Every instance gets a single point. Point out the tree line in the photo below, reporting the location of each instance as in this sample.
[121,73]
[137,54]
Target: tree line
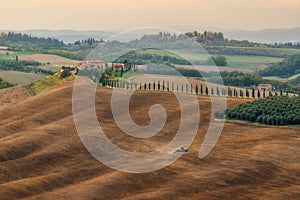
[8,38]
[23,66]
[209,38]
[286,68]
[200,89]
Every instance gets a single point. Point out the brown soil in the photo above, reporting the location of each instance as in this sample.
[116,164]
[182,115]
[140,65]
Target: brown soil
[42,157]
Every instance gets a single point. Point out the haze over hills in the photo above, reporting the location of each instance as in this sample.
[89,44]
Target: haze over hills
[267,35]
[261,36]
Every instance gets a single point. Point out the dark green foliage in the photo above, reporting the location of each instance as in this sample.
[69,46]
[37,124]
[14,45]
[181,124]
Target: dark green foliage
[201,89]
[241,94]
[275,110]
[144,58]
[247,93]
[206,90]
[288,67]
[220,114]
[23,66]
[4,84]
[158,85]
[218,60]
[20,38]
[295,81]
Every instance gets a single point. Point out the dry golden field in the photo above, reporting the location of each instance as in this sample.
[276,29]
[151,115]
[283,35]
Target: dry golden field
[42,157]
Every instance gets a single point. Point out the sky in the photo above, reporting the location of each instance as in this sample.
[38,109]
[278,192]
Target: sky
[128,14]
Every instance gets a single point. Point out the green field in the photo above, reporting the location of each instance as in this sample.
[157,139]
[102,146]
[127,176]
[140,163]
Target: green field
[15,77]
[12,55]
[284,50]
[250,63]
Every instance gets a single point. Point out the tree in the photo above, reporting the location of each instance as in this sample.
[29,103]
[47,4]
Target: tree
[247,93]
[219,60]
[201,89]
[206,90]
[241,94]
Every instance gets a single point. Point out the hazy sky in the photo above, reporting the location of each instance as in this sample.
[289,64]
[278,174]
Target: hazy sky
[125,14]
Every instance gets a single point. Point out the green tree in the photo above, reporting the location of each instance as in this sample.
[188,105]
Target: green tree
[219,60]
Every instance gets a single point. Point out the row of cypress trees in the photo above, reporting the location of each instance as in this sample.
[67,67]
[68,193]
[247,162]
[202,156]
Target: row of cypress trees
[195,89]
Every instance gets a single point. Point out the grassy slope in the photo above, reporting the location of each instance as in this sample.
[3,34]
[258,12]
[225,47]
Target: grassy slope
[48,83]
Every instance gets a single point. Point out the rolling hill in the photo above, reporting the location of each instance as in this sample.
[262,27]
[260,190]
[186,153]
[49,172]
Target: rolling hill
[42,157]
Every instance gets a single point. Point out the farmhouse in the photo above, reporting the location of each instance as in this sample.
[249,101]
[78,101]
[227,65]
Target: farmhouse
[264,87]
[117,66]
[94,64]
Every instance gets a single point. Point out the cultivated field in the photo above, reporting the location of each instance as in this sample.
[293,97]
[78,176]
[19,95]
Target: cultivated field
[52,59]
[15,77]
[42,157]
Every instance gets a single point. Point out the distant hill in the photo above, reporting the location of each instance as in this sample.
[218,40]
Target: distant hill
[261,36]
[266,35]
[68,36]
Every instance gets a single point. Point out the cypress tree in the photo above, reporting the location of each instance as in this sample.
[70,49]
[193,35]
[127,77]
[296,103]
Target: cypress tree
[168,86]
[201,89]
[158,85]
